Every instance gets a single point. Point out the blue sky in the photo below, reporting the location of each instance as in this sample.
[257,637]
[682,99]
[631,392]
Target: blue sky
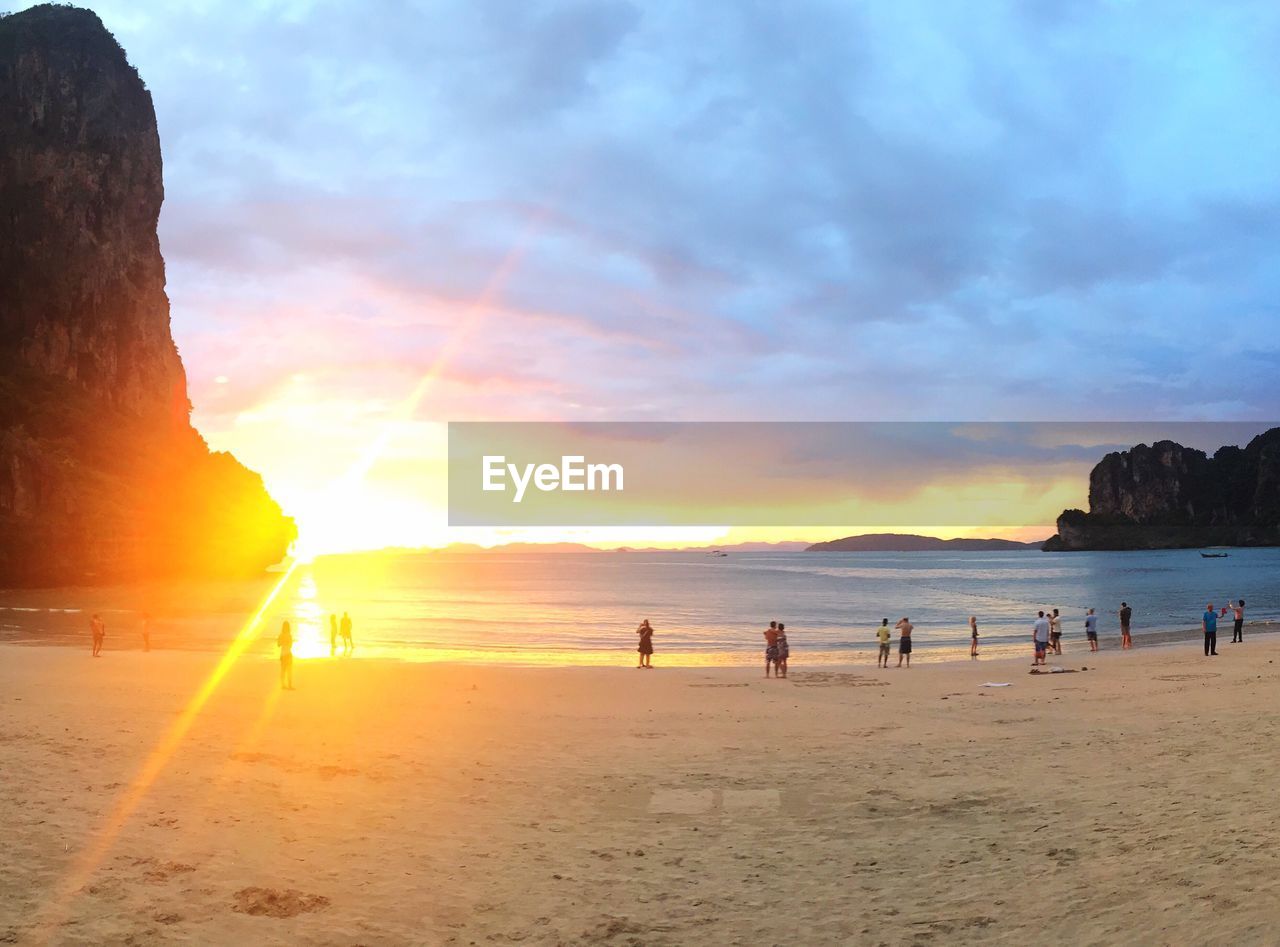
[659,211]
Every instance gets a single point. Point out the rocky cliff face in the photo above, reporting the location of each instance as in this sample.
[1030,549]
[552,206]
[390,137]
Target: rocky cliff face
[1170,496]
[102,476]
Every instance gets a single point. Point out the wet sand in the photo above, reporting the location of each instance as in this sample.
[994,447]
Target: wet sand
[392,803]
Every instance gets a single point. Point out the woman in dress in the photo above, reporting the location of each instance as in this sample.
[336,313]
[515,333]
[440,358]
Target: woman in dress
[645,631]
[784,650]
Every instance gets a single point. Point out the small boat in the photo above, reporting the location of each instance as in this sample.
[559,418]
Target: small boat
[1215,555]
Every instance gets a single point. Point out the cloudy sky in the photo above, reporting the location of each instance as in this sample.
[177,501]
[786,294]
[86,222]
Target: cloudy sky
[711,211]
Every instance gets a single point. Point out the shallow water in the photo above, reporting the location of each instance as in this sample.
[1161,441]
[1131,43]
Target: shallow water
[583,608]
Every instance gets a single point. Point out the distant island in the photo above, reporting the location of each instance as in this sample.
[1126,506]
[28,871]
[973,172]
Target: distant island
[907,542]
[1167,496]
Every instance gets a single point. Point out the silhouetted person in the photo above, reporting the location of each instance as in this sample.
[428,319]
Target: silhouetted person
[348,643]
[1209,622]
[146,631]
[973,636]
[333,635]
[284,641]
[645,631]
[1126,616]
[99,632]
[784,650]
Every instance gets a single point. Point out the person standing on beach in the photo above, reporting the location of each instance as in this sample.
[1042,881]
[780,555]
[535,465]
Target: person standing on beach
[645,631]
[1209,622]
[784,650]
[146,631]
[1055,631]
[348,643]
[885,636]
[904,640]
[284,641]
[99,632]
[1237,633]
[770,647]
[1040,636]
[1091,630]
[973,636]
[1126,615]
[333,635]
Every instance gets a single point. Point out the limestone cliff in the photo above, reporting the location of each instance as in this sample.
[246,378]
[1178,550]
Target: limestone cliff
[102,476]
[1169,496]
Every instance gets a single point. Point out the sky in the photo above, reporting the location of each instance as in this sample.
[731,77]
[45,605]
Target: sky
[383,216]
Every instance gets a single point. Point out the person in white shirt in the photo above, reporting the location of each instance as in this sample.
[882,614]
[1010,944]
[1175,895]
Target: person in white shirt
[1040,635]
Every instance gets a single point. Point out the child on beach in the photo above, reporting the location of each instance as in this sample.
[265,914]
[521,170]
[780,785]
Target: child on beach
[784,650]
[770,647]
[1040,636]
[884,635]
[1091,630]
[973,636]
[645,631]
[904,640]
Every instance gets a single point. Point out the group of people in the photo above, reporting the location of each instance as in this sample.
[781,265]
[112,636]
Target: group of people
[1209,624]
[284,641]
[885,638]
[1046,636]
[1046,631]
[98,632]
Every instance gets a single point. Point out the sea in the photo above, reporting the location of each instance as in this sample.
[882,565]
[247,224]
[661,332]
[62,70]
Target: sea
[583,608]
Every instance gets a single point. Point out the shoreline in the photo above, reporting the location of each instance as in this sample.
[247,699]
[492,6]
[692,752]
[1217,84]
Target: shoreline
[925,655]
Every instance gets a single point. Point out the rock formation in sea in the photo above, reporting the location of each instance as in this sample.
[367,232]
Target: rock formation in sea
[102,476]
[1166,496]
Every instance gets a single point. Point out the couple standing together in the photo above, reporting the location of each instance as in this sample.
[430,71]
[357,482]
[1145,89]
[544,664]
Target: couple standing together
[776,649]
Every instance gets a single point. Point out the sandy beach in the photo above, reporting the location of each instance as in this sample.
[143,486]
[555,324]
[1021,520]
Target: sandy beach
[397,803]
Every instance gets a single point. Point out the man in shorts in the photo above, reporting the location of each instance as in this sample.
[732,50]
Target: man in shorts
[770,647]
[904,640]
[1126,615]
[1040,636]
[1091,630]
[884,636]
